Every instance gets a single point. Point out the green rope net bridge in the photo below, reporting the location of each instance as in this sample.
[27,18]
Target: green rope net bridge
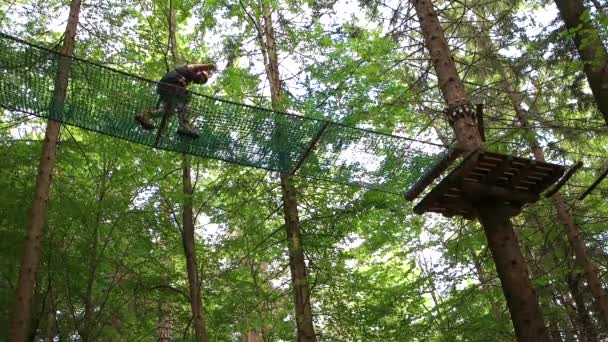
[105,100]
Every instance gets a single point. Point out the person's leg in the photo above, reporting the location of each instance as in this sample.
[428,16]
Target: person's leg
[145,119]
[161,108]
[182,107]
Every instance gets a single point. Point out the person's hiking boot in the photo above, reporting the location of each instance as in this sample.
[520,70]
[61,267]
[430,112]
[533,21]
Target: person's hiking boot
[144,120]
[186,129]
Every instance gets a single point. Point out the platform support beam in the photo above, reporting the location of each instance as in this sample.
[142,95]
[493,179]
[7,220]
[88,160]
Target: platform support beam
[434,172]
[476,191]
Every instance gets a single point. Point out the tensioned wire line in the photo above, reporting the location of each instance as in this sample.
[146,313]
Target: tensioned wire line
[105,100]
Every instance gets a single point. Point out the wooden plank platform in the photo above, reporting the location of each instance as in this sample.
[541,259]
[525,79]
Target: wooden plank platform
[484,176]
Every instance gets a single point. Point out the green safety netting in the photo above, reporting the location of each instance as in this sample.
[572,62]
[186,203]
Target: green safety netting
[105,100]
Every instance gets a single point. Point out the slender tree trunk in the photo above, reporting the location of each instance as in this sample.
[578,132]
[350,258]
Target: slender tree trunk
[172,34]
[196,301]
[164,323]
[297,264]
[582,259]
[546,293]
[574,310]
[521,298]
[590,49]
[585,325]
[554,330]
[570,322]
[88,320]
[570,335]
[572,230]
[22,312]
[164,308]
[38,304]
[89,300]
[513,273]
[259,333]
[49,330]
[495,308]
[251,336]
[565,298]
[452,88]
[49,333]
[561,300]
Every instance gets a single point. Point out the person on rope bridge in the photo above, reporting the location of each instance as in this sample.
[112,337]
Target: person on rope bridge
[173,96]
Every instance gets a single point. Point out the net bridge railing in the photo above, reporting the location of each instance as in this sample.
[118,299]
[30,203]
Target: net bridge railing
[105,100]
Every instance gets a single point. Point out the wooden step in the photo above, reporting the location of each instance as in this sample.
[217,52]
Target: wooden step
[487,176]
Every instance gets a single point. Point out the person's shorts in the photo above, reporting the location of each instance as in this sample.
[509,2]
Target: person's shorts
[174,95]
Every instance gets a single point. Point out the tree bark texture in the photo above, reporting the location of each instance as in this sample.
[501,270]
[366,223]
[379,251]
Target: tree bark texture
[188,240]
[22,311]
[590,272]
[564,217]
[590,49]
[297,265]
[164,324]
[513,273]
[196,301]
[486,285]
[554,330]
[251,336]
[584,323]
[521,298]
[449,81]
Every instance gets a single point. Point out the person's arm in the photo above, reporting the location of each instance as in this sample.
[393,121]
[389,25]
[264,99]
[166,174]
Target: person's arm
[202,67]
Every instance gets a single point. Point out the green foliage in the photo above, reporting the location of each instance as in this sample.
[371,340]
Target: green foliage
[113,263]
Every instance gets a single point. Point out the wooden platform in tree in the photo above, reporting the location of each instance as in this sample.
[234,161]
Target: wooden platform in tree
[484,176]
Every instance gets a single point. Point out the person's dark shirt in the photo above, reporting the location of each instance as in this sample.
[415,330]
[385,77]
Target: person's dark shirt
[180,73]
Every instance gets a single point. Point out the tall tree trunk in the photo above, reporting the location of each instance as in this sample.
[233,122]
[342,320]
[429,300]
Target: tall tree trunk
[562,300]
[88,320]
[590,272]
[22,312]
[452,88]
[554,330]
[513,273]
[251,336]
[89,298]
[196,300]
[494,216]
[164,323]
[540,263]
[574,310]
[564,217]
[164,307]
[484,280]
[297,264]
[562,213]
[259,333]
[590,49]
[585,325]
[49,332]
